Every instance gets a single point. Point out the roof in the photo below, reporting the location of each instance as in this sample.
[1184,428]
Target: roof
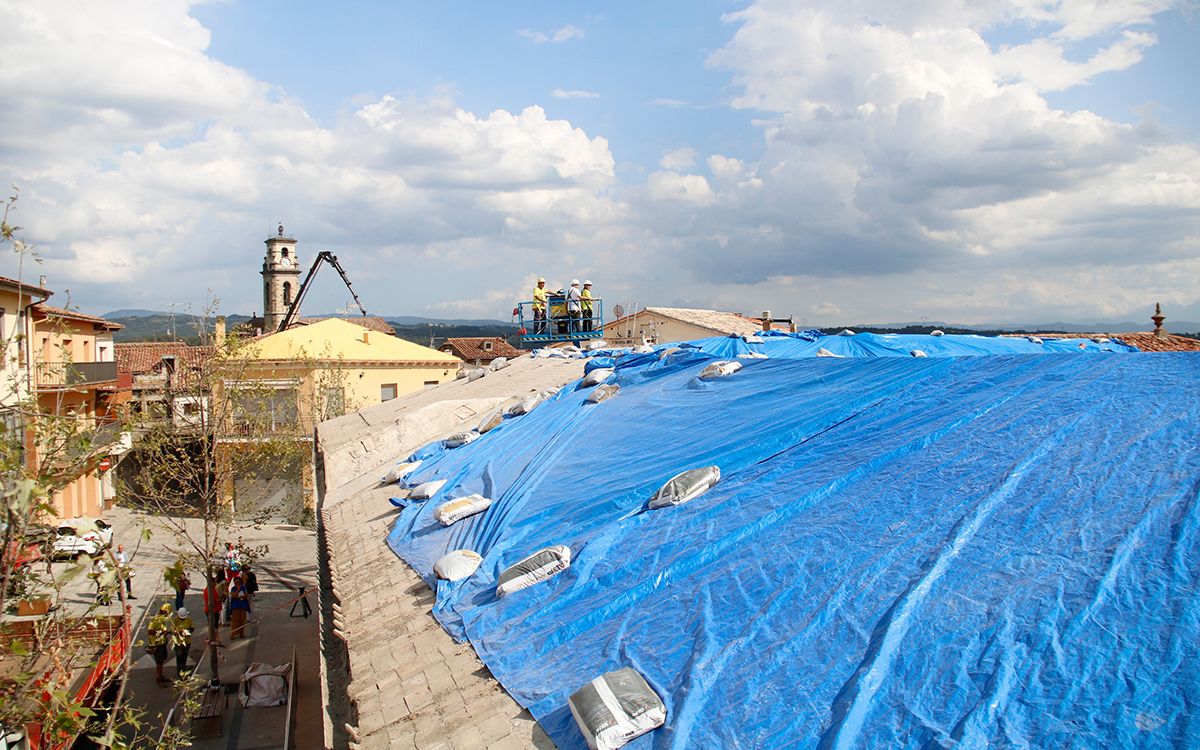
[1145,341]
[26,287]
[471,347]
[337,339]
[146,356]
[370,322]
[46,311]
[716,321]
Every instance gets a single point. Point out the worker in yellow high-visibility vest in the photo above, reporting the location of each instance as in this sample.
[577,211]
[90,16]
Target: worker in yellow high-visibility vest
[539,306]
[586,296]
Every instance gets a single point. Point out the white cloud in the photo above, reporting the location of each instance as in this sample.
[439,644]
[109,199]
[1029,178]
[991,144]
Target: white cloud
[573,94]
[554,36]
[678,159]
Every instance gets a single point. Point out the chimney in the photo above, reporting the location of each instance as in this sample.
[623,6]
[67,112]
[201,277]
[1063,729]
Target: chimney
[366,336]
[766,320]
[219,332]
[1158,318]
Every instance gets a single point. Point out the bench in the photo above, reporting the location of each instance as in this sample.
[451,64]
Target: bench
[213,702]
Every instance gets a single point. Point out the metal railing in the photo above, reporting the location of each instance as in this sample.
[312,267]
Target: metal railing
[557,322]
[72,374]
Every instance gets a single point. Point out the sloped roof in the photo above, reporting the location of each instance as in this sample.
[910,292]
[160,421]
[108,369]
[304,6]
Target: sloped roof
[46,311]
[471,347]
[370,322]
[1146,341]
[337,339]
[31,289]
[147,356]
[716,321]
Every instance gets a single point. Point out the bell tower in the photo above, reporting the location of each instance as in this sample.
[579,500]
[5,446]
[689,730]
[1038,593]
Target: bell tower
[281,276]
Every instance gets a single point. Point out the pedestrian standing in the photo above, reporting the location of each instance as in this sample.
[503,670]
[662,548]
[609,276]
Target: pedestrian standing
[574,306]
[158,632]
[251,580]
[180,585]
[586,303]
[213,604]
[103,576]
[182,628]
[239,607]
[124,571]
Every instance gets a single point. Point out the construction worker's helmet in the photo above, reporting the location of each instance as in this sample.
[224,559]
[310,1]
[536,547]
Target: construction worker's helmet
[588,282]
[541,280]
[165,609]
[574,282]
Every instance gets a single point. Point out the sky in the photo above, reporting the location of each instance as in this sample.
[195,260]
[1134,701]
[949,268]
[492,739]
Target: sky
[837,161]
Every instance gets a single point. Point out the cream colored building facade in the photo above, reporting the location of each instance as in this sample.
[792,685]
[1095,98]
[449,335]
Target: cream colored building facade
[660,325]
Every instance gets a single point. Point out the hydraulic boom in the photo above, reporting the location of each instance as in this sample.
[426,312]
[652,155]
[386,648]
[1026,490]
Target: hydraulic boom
[322,257]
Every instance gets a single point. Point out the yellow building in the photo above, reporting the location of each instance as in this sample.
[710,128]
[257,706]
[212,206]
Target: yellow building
[284,383]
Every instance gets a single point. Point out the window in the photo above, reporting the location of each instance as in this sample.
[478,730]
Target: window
[387,392]
[284,253]
[1,323]
[487,346]
[287,293]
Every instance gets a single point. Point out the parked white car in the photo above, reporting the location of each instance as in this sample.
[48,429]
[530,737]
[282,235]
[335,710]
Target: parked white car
[82,536]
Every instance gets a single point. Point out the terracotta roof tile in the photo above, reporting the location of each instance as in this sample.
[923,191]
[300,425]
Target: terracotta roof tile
[147,356]
[1144,341]
[470,348]
[33,288]
[46,311]
[370,322]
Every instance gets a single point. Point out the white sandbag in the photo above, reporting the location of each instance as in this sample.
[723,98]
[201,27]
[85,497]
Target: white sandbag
[751,338]
[457,565]
[1102,339]
[936,332]
[460,374]
[846,332]
[534,569]
[686,485]
[490,422]
[264,685]
[918,353]
[499,363]
[643,349]
[1034,339]
[461,507]
[426,490]
[596,377]
[608,390]
[668,352]
[752,355]
[400,471]
[526,405]
[720,370]
[615,708]
[476,374]
[823,352]
[459,439]
[597,344]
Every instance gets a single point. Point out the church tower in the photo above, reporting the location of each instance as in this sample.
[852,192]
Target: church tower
[281,277]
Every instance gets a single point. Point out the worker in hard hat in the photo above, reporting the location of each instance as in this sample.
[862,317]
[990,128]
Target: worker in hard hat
[586,305]
[539,306]
[574,305]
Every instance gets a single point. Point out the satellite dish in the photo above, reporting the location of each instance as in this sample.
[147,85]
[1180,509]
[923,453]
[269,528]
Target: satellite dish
[618,311]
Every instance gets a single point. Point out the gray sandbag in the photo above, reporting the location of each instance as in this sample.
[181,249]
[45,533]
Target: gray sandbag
[596,377]
[686,485]
[615,708]
[426,490]
[534,569]
[918,353]
[602,392]
[499,363]
[720,370]
[461,507]
[459,439]
[490,422]
[476,374]
[526,405]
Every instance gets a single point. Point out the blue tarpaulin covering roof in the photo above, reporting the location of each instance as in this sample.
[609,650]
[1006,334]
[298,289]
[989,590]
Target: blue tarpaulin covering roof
[901,552]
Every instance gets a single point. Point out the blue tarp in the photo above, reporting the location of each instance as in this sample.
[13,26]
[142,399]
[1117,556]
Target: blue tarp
[902,552]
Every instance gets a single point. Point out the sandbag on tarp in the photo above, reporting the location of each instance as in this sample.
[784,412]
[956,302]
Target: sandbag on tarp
[459,439]
[720,370]
[607,390]
[595,377]
[499,363]
[476,374]
[400,471]
[531,402]
[457,565]
[615,708]
[426,490]
[490,422]
[534,569]
[599,363]
[918,353]
[686,485]
[264,686]
[461,507]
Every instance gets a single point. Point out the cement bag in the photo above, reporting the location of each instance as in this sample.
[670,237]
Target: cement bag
[476,374]
[460,508]
[597,344]
[457,565]
[823,352]
[499,363]
[918,353]
[534,569]
[720,370]
[750,338]
[668,352]
[1034,339]
[459,439]
[596,377]
[426,490]
[643,349]
[608,390]
[264,685]
[937,333]
[400,471]
[686,486]
[752,355]
[526,405]
[490,422]
[615,708]
[846,332]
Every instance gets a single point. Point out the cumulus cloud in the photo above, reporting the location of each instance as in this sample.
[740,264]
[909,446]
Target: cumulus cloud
[574,94]
[680,158]
[554,36]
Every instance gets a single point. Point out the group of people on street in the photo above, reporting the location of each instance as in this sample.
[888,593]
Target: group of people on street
[579,307]
[171,628]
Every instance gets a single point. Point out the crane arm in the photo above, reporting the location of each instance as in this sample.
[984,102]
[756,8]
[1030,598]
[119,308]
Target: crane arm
[322,257]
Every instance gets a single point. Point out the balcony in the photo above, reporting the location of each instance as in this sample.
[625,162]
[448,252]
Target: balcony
[68,375]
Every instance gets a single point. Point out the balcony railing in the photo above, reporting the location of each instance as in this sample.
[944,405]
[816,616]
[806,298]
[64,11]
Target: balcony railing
[74,374]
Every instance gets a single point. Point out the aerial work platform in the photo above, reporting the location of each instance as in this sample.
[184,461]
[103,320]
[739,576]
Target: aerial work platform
[559,326]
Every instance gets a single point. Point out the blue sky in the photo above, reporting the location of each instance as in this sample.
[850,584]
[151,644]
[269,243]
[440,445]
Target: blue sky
[983,162]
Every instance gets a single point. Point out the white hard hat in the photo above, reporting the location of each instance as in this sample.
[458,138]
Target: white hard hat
[541,280]
[574,282]
[588,282]
[181,612]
